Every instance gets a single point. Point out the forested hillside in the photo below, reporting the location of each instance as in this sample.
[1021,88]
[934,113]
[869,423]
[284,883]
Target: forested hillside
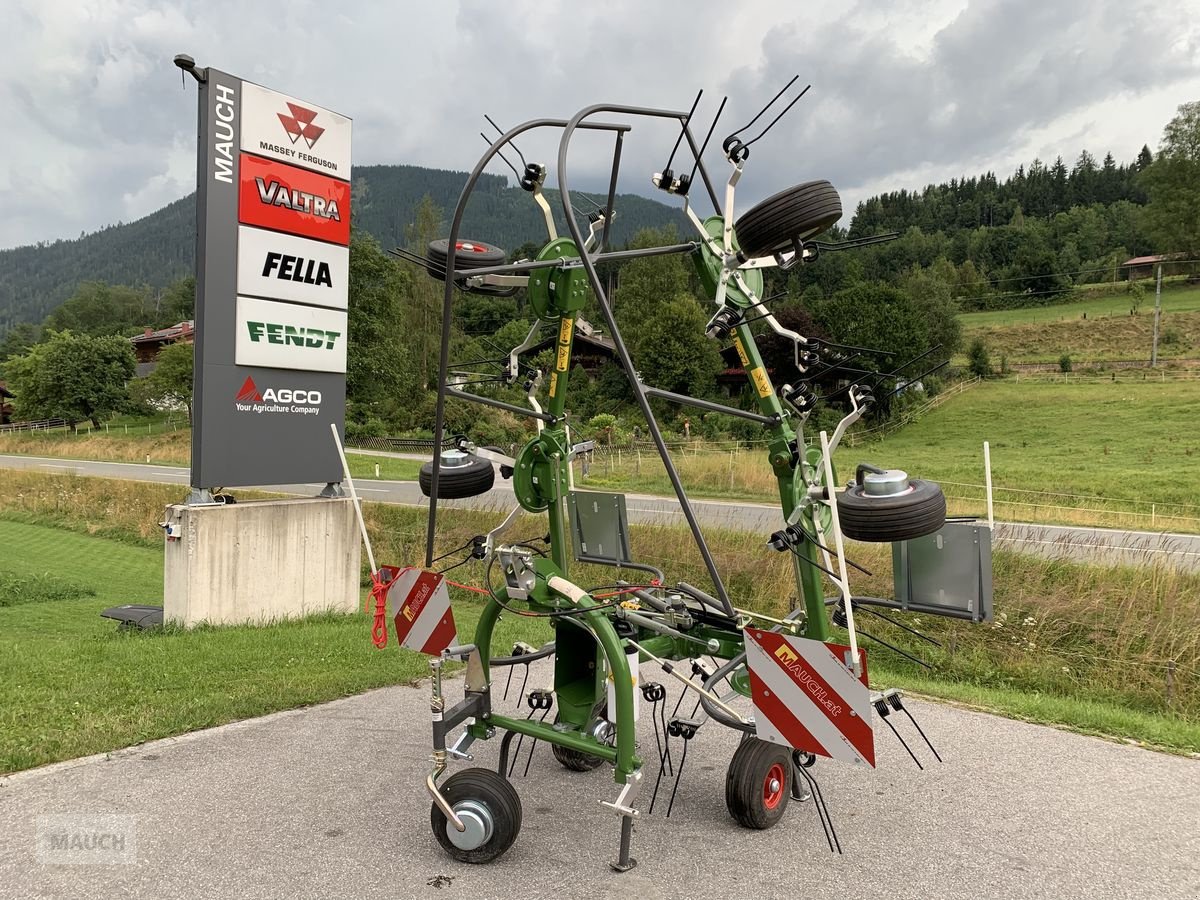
[992,243]
[158,249]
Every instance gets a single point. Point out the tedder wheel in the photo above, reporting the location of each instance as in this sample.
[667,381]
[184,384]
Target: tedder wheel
[574,759]
[467,255]
[461,476]
[799,212]
[758,783]
[490,808]
[919,511]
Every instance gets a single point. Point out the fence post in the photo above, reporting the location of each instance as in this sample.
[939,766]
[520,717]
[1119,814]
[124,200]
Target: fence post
[731,452]
[1152,513]
[638,464]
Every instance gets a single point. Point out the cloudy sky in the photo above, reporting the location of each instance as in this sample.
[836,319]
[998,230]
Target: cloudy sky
[99,127]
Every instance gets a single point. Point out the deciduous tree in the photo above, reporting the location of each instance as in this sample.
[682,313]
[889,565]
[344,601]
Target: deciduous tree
[72,377]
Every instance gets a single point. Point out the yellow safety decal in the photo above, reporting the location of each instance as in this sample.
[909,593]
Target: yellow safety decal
[564,357]
[564,330]
[737,342]
[761,382]
[553,383]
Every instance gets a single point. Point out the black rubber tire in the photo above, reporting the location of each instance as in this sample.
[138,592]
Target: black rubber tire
[801,212]
[494,792]
[882,520]
[746,783]
[470,255]
[456,482]
[574,759]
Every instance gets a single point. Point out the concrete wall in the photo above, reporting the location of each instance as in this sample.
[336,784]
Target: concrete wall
[260,561]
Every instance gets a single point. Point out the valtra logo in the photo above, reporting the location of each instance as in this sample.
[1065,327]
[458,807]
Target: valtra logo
[300,125]
[293,200]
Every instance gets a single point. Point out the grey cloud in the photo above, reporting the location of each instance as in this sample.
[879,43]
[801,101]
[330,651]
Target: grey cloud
[100,129]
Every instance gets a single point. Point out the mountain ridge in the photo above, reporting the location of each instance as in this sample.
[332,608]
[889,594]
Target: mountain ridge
[159,248]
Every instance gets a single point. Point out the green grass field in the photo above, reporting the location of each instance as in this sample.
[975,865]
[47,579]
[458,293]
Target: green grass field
[1099,452]
[1103,453]
[1175,300]
[1090,331]
[1072,645]
[71,684]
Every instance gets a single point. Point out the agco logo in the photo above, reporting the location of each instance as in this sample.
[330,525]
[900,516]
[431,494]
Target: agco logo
[276,400]
[300,125]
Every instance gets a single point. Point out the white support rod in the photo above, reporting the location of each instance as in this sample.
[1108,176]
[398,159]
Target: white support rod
[987,474]
[362,525]
[570,461]
[844,580]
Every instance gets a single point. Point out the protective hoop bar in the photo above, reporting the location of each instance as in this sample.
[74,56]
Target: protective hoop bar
[577,121]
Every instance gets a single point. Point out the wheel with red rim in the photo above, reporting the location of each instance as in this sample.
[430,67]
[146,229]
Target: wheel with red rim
[758,783]
[467,255]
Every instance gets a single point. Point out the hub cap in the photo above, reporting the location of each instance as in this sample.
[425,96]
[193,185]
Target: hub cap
[478,820]
[773,786]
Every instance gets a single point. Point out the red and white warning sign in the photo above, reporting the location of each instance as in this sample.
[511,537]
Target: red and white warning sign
[419,605]
[805,696]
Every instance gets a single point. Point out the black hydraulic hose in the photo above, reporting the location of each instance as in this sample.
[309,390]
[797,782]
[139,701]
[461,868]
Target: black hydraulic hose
[541,653]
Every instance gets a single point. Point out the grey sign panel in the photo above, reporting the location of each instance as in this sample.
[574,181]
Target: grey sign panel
[251,425]
[948,573]
[600,526]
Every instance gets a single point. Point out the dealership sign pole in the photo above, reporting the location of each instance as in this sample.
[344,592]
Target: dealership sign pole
[272,273]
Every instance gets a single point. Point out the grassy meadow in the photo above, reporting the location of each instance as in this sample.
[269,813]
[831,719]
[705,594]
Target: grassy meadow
[1075,645]
[1090,331]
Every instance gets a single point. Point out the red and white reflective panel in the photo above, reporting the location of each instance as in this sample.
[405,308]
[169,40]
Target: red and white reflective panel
[805,696]
[419,605]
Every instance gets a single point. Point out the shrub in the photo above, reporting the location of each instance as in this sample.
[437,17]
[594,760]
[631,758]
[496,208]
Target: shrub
[978,361]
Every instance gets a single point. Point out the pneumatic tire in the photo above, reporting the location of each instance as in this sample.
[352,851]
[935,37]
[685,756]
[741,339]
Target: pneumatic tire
[456,482]
[758,783]
[800,212]
[576,760]
[491,806]
[467,255]
[917,512]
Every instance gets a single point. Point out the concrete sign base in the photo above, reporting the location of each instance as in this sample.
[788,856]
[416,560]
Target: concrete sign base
[260,561]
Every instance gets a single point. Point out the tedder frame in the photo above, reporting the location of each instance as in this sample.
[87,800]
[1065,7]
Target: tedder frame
[602,637]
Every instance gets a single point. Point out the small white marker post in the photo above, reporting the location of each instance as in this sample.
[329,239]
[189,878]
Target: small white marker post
[362,525]
[843,578]
[987,474]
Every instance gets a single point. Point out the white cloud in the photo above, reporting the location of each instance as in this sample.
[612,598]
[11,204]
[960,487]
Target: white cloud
[100,130]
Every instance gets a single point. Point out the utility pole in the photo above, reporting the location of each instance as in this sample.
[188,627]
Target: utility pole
[1157,313]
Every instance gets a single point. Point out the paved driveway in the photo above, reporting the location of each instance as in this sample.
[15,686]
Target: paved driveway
[328,802]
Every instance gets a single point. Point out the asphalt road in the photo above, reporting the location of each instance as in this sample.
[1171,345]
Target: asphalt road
[1087,544]
[329,802]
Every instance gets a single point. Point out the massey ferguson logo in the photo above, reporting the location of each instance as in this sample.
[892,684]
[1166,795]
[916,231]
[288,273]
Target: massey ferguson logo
[272,193]
[276,400]
[300,125]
